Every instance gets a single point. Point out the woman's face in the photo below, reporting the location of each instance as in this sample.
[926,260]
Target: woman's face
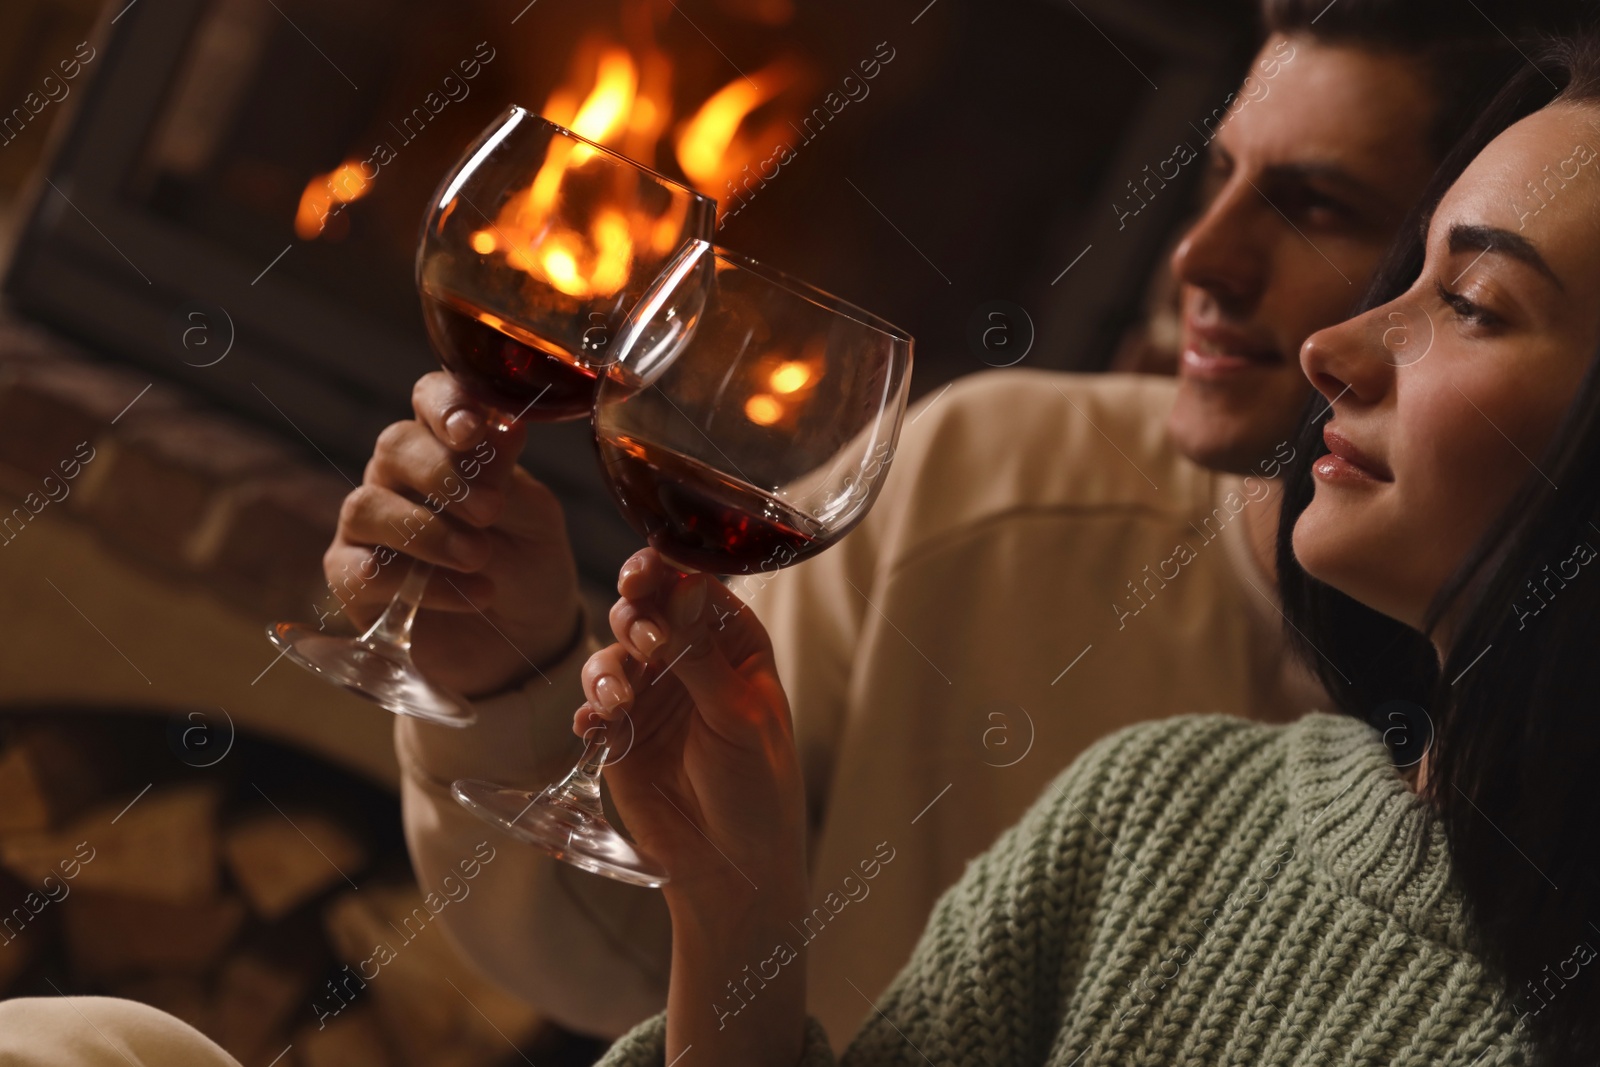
[1445,399]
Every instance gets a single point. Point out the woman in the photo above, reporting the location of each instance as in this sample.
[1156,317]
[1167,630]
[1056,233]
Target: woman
[1206,889]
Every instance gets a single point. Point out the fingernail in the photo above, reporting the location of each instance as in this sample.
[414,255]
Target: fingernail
[645,637]
[611,692]
[688,600]
[594,719]
[461,425]
[634,566]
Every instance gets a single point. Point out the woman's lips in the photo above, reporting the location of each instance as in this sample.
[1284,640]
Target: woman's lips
[1346,462]
[1217,353]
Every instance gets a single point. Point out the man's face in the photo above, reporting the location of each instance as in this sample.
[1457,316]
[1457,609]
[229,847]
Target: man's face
[1308,180]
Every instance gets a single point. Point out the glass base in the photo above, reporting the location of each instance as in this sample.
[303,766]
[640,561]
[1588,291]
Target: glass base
[564,827]
[383,673]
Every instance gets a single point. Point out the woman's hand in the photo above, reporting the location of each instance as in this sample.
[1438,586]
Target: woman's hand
[706,777]
[703,765]
[445,487]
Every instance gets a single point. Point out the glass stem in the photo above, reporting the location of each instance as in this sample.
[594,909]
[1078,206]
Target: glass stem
[394,625]
[582,786]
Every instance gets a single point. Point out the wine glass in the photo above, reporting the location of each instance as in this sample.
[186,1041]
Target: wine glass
[535,246]
[746,423]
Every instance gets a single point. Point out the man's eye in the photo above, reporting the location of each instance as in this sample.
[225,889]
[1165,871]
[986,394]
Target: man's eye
[1309,204]
[1214,177]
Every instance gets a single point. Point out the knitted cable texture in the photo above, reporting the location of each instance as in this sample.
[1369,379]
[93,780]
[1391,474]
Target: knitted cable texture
[1197,890]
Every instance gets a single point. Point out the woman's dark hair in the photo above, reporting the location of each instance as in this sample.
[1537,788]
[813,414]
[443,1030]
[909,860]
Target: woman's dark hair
[1465,50]
[1514,711]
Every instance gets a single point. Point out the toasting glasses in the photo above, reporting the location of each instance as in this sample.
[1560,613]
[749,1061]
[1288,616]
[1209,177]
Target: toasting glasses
[536,245]
[745,422]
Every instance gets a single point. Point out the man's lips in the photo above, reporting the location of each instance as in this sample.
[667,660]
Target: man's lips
[1212,351]
[1346,461]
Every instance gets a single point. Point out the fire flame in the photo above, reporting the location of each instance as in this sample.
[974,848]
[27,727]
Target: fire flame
[342,185]
[790,377]
[788,381]
[628,108]
[578,264]
[616,81]
[709,147]
[618,96]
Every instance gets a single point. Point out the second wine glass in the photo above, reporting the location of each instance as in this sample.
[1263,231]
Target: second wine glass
[746,423]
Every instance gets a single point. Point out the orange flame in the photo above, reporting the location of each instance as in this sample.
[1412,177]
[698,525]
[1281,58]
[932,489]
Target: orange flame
[342,185]
[579,264]
[602,114]
[763,410]
[706,140]
[621,98]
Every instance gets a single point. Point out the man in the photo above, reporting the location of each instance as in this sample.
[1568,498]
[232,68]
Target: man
[1053,557]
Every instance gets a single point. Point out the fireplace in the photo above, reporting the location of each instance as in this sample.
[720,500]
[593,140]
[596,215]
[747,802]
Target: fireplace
[235,205]
[211,313]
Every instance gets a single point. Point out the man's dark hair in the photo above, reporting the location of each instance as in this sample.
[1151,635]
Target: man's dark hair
[1512,717]
[1468,50]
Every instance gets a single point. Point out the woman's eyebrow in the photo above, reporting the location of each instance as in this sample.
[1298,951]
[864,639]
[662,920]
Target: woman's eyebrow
[1486,239]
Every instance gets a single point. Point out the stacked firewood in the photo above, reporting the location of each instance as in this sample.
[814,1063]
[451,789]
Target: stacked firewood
[281,928]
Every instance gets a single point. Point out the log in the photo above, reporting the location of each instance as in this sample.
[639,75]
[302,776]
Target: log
[24,933]
[259,996]
[352,1039]
[161,846]
[113,936]
[280,861]
[49,773]
[438,1009]
[24,799]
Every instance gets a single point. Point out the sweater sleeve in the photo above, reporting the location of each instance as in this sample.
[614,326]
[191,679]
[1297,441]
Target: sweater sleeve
[590,953]
[1005,947]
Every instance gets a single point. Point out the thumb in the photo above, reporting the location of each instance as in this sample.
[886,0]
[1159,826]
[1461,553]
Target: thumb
[721,694]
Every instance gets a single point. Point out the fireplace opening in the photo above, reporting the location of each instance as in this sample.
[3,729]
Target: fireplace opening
[256,891]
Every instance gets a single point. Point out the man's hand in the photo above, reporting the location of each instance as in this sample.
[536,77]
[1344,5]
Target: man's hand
[445,487]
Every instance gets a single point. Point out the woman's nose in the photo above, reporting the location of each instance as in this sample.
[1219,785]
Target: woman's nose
[1356,359]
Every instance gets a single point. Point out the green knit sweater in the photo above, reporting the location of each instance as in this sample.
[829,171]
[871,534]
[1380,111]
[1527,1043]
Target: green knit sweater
[1197,890]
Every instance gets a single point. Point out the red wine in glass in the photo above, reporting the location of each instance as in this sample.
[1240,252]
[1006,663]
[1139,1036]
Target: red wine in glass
[701,518]
[505,365]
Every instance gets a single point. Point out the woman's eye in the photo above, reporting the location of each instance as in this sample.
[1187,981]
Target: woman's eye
[1466,310]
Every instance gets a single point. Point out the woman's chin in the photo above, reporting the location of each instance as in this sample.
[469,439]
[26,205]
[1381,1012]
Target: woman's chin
[1327,543]
[1329,546]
